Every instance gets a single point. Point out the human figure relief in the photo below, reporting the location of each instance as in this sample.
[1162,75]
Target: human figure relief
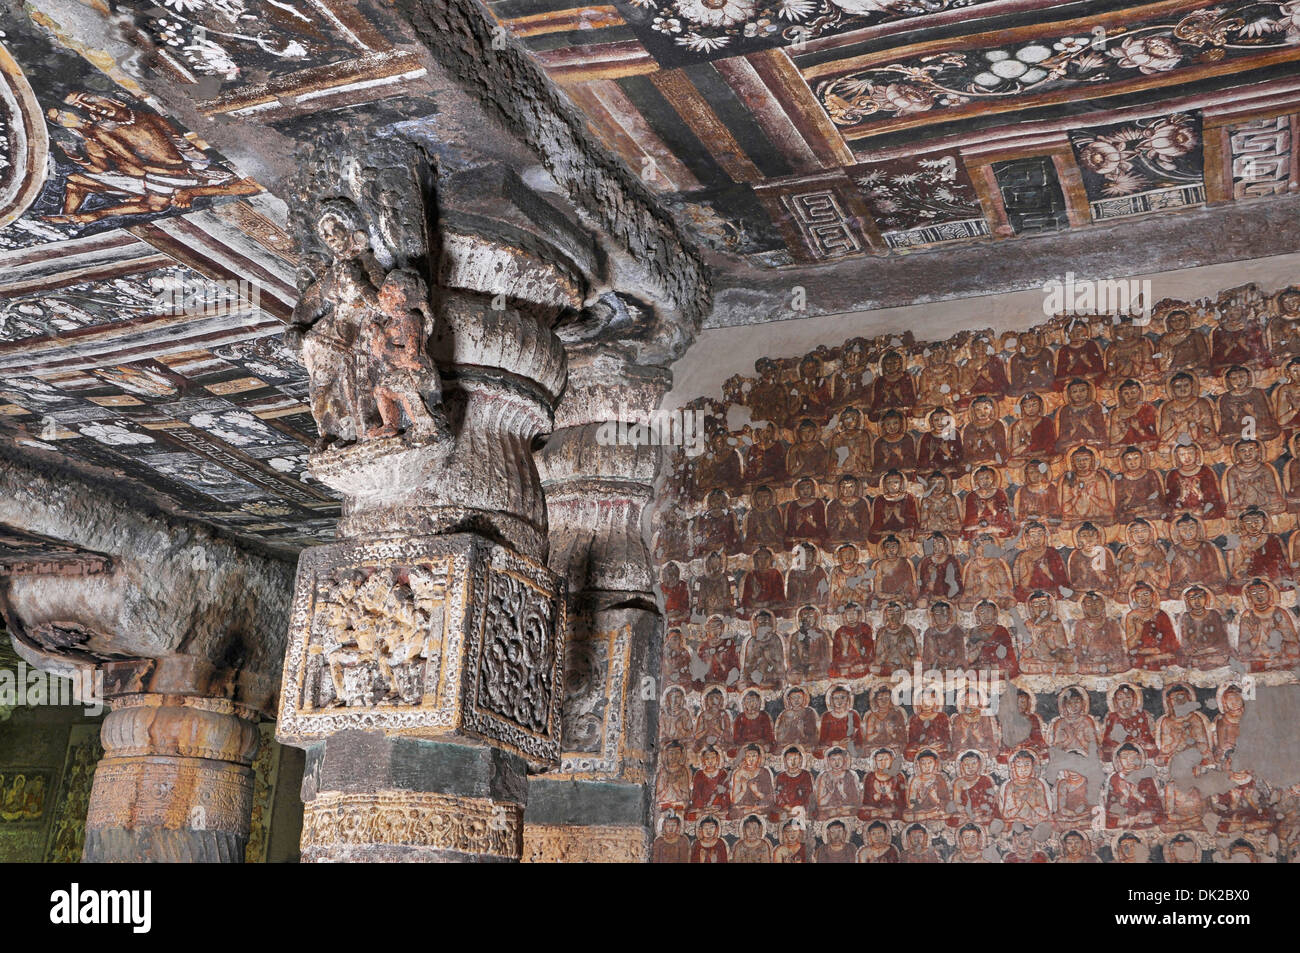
[1286,399]
[1038,498]
[1183,727]
[1130,355]
[1074,729]
[1024,797]
[671,847]
[1047,650]
[1079,358]
[1244,410]
[676,723]
[849,447]
[752,726]
[838,792]
[984,439]
[917,848]
[986,576]
[792,789]
[1098,639]
[1283,327]
[851,580]
[970,846]
[884,788]
[894,511]
[767,397]
[885,724]
[1038,566]
[715,528]
[712,590]
[1202,631]
[810,394]
[837,849]
[710,792]
[808,649]
[1250,482]
[892,575]
[763,587]
[1238,338]
[1148,630]
[972,729]
[805,515]
[940,512]
[1266,632]
[1245,806]
[895,642]
[943,645]
[1080,420]
[1091,566]
[718,468]
[713,725]
[139,158]
[752,848]
[765,457]
[940,447]
[718,655]
[840,724]
[929,728]
[1181,850]
[1033,434]
[1086,491]
[765,663]
[1193,559]
[764,523]
[928,791]
[751,785]
[327,321]
[1191,487]
[1182,347]
[677,599]
[939,573]
[708,848]
[1139,491]
[848,516]
[984,375]
[878,849]
[1076,850]
[402,382]
[1143,559]
[807,582]
[1127,722]
[1022,848]
[892,390]
[793,848]
[1186,417]
[852,648]
[974,793]
[797,723]
[1033,367]
[1227,724]
[989,643]
[939,383]
[986,507]
[851,382]
[894,449]
[1132,797]
[808,456]
[1258,552]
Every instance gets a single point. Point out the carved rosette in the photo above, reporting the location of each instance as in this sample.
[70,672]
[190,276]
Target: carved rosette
[403,825]
[438,637]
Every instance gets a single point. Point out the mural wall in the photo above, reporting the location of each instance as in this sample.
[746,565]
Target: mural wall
[998,598]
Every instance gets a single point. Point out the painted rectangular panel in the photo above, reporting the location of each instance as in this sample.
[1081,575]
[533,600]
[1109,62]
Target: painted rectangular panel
[1031,194]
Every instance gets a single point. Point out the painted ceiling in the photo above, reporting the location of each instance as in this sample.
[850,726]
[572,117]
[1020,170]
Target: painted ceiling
[784,132]
[808,131]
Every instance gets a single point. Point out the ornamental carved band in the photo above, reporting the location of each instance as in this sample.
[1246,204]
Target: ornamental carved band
[597,844]
[437,636]
[410,819]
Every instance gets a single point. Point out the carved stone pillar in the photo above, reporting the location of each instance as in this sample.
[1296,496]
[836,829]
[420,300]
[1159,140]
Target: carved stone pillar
[175,783]
[424,668]
[595,807]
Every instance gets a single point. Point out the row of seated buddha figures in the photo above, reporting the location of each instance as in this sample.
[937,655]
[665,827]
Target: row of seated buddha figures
[828,514]
[1242,329]
[1044,636]
[1014,435]
[759,841]
[1183,733]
